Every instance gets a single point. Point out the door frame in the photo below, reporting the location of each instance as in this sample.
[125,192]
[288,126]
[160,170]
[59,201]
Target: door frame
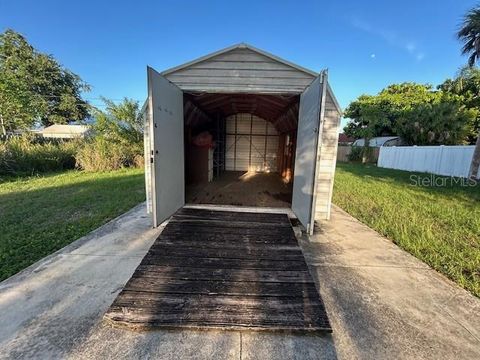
[323,81]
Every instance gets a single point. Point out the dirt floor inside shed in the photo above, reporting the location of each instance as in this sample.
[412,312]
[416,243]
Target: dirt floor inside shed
[241,188]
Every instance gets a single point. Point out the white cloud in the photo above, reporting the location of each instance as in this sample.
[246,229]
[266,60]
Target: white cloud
[411,47]
[373,56]
[391,37]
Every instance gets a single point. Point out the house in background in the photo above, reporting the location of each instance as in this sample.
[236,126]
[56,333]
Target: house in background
[380,141]
[66,131]
[345,140]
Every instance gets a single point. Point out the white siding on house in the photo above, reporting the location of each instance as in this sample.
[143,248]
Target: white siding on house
[66,131]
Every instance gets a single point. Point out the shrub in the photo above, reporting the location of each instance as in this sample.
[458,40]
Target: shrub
[361,153]
[24,155]
[102,154]
[356,153]
[119,138]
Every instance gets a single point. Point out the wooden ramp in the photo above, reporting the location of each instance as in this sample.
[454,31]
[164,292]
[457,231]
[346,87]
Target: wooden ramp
[222,270]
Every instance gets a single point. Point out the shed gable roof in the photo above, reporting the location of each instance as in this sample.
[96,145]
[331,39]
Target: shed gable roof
[241,69]
[249,48]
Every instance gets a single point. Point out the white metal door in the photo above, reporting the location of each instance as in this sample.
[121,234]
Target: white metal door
[166,134]
[312,103]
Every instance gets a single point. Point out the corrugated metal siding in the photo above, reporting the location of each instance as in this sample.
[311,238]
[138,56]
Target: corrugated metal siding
[251,144]
[241,70]
[328,158]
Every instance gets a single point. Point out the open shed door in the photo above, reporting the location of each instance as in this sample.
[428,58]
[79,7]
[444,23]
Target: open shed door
[312,104]
[166,136]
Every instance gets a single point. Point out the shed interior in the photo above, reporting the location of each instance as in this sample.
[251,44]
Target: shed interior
[240,148]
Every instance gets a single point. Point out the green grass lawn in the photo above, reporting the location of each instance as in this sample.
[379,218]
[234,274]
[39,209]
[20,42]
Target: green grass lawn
[439,225]
[39,215]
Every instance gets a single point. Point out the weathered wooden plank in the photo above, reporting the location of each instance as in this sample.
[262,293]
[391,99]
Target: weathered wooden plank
[216,242]
[214,274]
[178,286]
[162,249]
[238,323]
[225,224]
[175,228]
[230,241]
[221,314]
[233,302]
[258,218]
[224,263]
[227,271]
[230,215]
[250,217]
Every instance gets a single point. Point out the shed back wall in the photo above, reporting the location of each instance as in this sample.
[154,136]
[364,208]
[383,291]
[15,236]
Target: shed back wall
[251,144]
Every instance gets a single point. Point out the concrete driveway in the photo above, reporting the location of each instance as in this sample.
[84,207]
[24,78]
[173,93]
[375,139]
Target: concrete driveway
[382,303]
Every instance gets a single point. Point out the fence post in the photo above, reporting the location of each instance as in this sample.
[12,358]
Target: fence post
[440,159]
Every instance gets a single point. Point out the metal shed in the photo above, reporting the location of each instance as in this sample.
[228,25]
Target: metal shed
[241,109]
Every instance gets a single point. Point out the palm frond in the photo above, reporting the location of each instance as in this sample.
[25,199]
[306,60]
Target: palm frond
[472,59]
[469,34]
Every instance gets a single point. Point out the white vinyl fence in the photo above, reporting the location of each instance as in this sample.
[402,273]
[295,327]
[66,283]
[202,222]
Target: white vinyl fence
[440,160]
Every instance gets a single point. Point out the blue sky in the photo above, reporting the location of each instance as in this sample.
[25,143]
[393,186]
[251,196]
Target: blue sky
[366,45]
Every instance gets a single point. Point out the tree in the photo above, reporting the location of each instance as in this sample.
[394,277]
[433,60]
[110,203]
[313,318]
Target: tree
[441,121]
[16,110]
[469,35]
[473,174]
[360,111]
[370,120]
[121,122]
[415,112]
[391,102]
[467,85]
[35,87]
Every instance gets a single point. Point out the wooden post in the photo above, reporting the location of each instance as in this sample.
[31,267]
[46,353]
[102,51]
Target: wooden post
[2,124]
[251,139]
[475,161]
[235,146]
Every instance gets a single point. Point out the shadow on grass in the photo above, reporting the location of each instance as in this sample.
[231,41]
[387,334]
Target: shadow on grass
[40,217]
[448,186]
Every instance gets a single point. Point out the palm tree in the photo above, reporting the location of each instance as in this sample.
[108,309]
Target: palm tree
[475,161]
[469,35]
